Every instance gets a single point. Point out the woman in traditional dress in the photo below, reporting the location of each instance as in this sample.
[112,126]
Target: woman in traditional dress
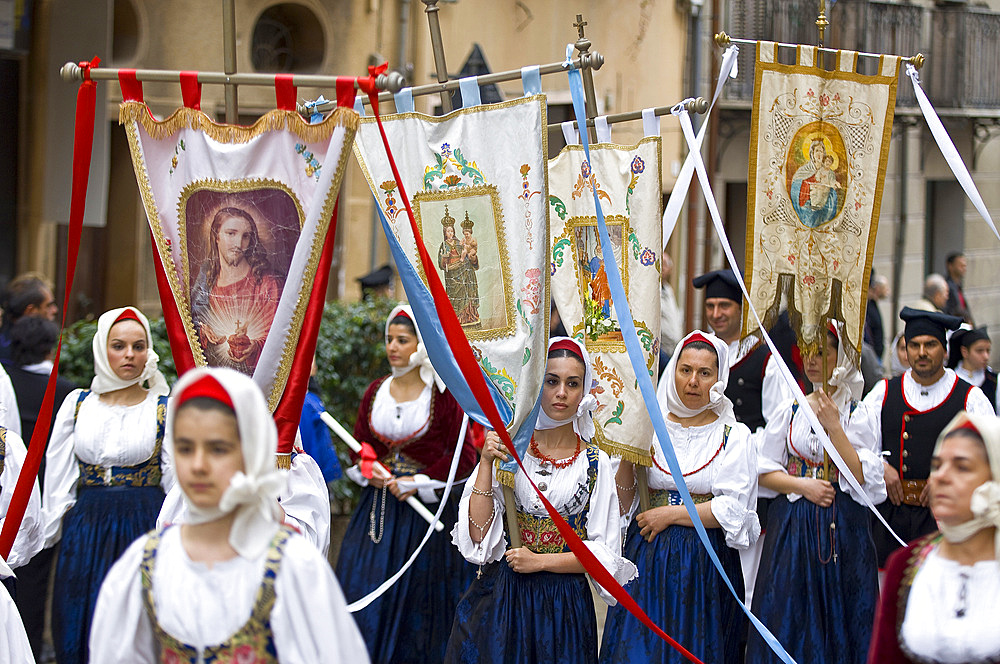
[941,595]
[532,604]
[104,475]
[411,424]
[678,585]
[14,646]
[232,584]
[818,578]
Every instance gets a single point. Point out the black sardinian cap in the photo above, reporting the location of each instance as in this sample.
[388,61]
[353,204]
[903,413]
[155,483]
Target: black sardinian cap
[964,337]
[721,283]
[919,322]
[380,277]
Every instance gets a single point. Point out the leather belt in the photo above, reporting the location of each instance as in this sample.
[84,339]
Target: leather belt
[912,489]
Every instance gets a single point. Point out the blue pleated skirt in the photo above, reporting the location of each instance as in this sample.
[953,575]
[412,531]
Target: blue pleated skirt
[411,622]
[511,618]
[98,529]
[820,612]
[681,591]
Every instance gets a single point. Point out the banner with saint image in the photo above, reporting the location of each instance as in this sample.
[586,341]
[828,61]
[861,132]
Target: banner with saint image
[819,144]
[239,217]
[627,180]
[476,180]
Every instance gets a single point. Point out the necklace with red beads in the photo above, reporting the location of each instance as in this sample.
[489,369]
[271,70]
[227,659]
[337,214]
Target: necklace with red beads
[556,463]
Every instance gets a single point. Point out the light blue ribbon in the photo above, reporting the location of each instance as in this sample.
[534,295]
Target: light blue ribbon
[531,80]
[620,301]
[359,106]
[315,115]
[404,100]
[469,88]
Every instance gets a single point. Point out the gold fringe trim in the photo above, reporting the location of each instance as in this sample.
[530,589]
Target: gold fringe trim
[283,461]
[626,453]
[504,477]
[621,450]
[276,120]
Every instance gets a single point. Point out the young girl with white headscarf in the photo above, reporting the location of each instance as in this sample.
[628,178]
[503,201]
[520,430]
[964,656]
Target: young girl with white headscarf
[532,604]
[942,592]
[678,586]
[105,471]
[232,584]
[818,579]
[410,423]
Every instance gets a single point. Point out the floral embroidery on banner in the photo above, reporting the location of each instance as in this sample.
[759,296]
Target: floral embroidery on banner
[637,167]
[392,209]
[526,195]
[588,180]
[177,151]
[450,169]
[312,164]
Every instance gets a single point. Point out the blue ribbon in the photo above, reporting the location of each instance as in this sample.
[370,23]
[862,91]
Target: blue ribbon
[315,116]
[531,80]
[404,100]
[470,91]
[620,301]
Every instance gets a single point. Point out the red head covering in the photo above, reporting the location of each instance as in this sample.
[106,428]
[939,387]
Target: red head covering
[566,344]
[128,314]
[206,386]
[698,336]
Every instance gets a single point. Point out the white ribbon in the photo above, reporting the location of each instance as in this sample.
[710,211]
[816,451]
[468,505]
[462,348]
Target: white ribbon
[948,148]
[354,607]
[680,192]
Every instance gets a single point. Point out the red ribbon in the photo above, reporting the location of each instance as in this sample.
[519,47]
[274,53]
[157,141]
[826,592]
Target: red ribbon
[131,86]
[477,383]
[284,92]
[367,460]
[345,91]
[180,347]
[289,410]
[83,144]
[191,89]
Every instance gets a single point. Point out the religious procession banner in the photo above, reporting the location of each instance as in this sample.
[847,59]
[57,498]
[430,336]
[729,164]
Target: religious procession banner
[819,144]
[476,179]
[239,217]
[627,180]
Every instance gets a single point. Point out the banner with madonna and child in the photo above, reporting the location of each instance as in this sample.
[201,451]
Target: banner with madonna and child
[239,219]
[819,145]
[478,196]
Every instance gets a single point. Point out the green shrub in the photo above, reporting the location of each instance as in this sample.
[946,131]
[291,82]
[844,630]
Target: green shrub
[350,354]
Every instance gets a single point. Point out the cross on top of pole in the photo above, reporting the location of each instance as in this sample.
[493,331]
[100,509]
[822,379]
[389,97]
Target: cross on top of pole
[579,25]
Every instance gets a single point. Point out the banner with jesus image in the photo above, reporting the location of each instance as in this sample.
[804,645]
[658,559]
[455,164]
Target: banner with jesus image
[819,145]
[239,217]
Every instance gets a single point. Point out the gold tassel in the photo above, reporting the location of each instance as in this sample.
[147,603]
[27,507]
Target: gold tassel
[283,461]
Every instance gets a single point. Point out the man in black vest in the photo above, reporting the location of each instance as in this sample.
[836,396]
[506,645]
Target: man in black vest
[911,410]
[755,384]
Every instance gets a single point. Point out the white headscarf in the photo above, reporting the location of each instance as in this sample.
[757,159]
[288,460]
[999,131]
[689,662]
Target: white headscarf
[718,402]
[895,366]
[105,379]
[985,503]
[419,357]
[846,377]
[583,420]
[252,493]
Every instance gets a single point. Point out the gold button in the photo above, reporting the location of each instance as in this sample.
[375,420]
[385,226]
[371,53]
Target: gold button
[906,418]
[905,468]
[906,453]
[906,436]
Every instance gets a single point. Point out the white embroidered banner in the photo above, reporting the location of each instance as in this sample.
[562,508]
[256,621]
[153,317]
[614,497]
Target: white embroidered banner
[627,180]
[239,216]
[818,150]
[477,184]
